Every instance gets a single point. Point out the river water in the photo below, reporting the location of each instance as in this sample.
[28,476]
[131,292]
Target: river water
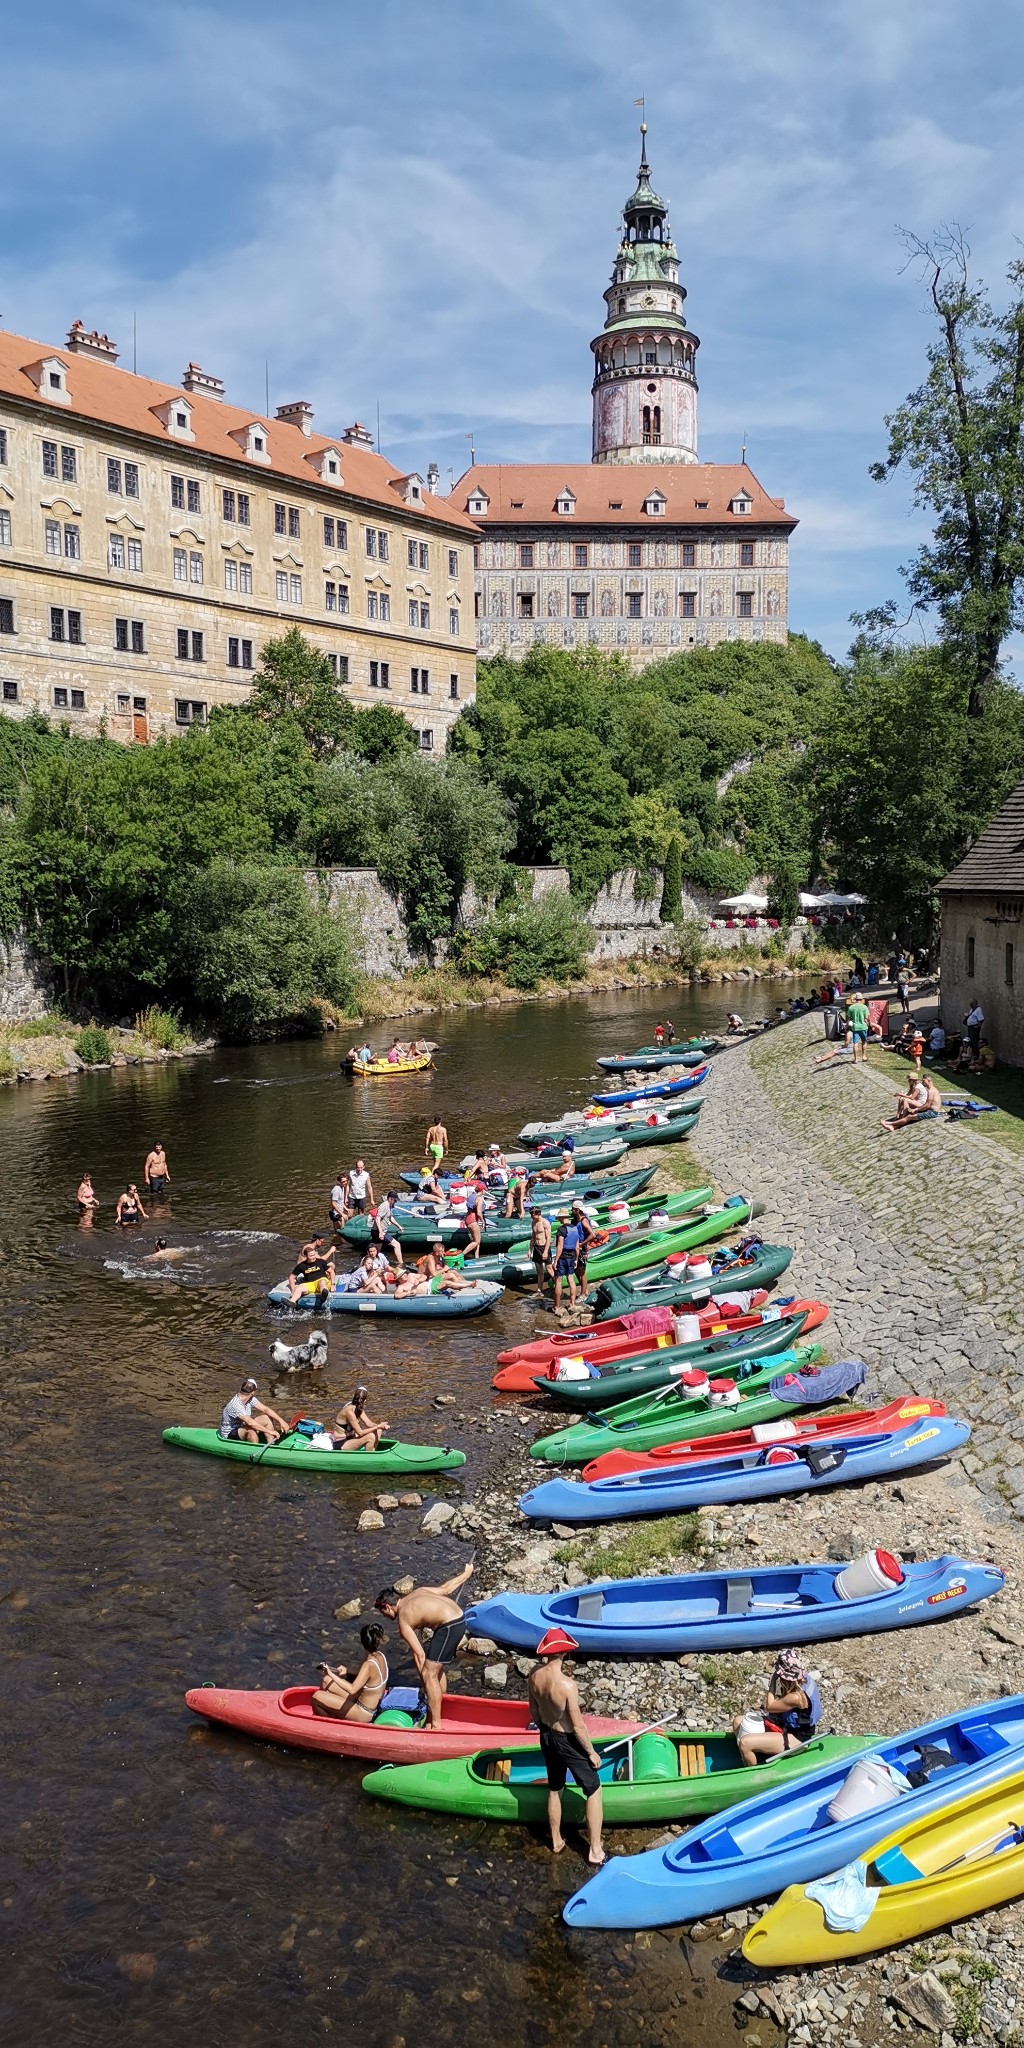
[156,1877]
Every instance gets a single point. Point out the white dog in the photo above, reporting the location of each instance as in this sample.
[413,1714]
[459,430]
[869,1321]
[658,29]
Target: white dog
[292,1357]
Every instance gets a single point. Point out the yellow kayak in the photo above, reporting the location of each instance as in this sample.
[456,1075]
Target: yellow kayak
[382,1070]
[964,1859]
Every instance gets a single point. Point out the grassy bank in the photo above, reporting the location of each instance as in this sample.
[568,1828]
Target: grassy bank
[43,1047]
[443,988]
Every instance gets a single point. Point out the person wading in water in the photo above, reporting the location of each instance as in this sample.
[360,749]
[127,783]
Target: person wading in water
[429,1607]
[564,1743]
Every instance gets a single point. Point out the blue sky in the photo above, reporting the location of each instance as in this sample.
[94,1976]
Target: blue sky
[416,206]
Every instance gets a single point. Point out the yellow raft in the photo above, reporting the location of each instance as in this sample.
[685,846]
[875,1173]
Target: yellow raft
[382,1070]
[964,1859]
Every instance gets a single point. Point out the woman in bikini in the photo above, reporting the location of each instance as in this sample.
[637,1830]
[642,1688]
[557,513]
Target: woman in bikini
[355,1698]
[354,1430]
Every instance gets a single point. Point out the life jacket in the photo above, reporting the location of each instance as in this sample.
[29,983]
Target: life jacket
[801,1722]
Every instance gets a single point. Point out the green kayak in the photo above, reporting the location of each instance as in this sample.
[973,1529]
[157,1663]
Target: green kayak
[296,1454]
[419,1223]
[637,1129]
[629,1253]
[622,1296]
[655,1419]
[654,1369]
[645,1781]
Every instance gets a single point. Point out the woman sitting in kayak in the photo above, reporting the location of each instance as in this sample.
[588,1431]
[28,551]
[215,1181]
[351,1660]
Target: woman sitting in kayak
[354,1430]
[792,1710]
[428,1269]
[357,1698]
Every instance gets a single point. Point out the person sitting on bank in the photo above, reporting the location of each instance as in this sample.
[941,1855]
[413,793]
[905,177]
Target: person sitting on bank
[87,1200]
[129,1206]
[792,1710]
[429,1607]
[986,1059]
[354,1430]
[247,1420]
[564,1743]
[936,1042]
[355,1696]
[314,1268]
[920,1097]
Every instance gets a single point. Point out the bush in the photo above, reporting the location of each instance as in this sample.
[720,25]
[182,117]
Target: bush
[93,1046]
[528,942]
[50,1026]
[260,951]
[784,894]
[160,1027]
[672,883]
[689,943]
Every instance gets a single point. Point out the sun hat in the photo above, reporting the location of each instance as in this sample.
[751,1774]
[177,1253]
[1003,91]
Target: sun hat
[556,1643]
[789,1664]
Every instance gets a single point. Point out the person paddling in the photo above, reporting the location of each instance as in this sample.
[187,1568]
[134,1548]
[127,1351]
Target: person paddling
[429,1607]
[564,1743]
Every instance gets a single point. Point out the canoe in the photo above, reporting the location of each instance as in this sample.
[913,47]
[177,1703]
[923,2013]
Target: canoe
[485,1295]
[654,1128]
[767,1472]
[790,1429]
[648,1062]
[654,1419]
[598,1187]
[685,1045]
[658,1777]
[385,1070]
[927,1871]
[654,1089]
[588,1158]
[422,1222]
[753,1337]
[786,1836]
[624,1294]
[672,1132]
[650,1248]
[295,1453]
[287,1718]
[725,1611]
[603,1344]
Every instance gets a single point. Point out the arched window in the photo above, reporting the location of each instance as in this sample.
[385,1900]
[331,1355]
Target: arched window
[647,423]
[656,434]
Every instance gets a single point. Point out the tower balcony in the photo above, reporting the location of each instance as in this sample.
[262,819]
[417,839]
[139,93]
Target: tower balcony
[605,372]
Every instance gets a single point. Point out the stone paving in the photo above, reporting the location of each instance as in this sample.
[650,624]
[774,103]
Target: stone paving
[915,1239]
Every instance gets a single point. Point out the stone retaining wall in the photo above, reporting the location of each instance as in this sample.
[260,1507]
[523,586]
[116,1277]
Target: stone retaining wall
[24,991]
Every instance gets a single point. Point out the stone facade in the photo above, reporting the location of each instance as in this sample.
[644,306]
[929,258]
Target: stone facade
[24,990]
[152,538]
[645,380]
[376,917]
[982,961]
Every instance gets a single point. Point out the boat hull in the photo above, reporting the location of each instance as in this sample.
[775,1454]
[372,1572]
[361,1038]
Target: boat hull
[286,1718]
[295,1454]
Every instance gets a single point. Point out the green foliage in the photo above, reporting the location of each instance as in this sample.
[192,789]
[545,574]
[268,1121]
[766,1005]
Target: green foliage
[689,943]
[7,1066]
[93,1046]
[784,893]
[672,883]
[52,1026]
[295,681]
[640,1549]
[379,734]
[527,942]
[161,1028]
[257,949]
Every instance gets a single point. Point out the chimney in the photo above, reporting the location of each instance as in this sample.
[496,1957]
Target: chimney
[298,414]
[200,384]
[358,436]
[98,346]
[433,478]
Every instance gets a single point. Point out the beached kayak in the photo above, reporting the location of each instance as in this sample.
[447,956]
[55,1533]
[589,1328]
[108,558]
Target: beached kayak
[751,1339]
[631,1252]
[921,1872]
[588,1158]
[648,1062]
[773,1605]
[671,1285]
[657,1777]
[786,1835]
[297,1454]
[467,1723]
[767,1472]
[604,1344]
[484,1295]
[654,1419]
[423,1223]
[638,1129]
[653,1090]
[598,1187]
[788,1429]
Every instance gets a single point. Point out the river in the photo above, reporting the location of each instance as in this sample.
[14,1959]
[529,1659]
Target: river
[157,1877]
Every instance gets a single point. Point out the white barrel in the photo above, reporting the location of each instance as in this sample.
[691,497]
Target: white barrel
[724,1394]
[695,1384]
[751,1724]
[867,1786]
[659,1220]
[618,1212]
[774,1432]
[575,1368]
[699,1266]
[876,1572]
[687,1329]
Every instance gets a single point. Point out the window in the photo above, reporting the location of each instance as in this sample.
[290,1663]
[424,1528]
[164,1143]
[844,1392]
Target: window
[114,475]
[329,530]
[453,686]
[280,519]
[453,562]
[195,567]
[371,604]
[476,558]
[1008,963]
[580,604]
[634,554]
[6,614]
[453,622]
[49,458]
[135,556]
[239,653]
[10,691]
[424,555]
[178,493]
[53,536]
[68,699]
[580,555]
[339,663]
[688,555]
[385,606]
[426,740]
[243,508]
[380,675]
[188,712]
[476,604]
[295,589]
[72,543]
[131,479]
[65,625]
[370,537]
[180,566]
[181,419]
[688,604]
[424,616]
[382,546]
[69,465]
[281,586]
[411,553]
[231,575]
[3,459]
[293,522]
[970,957]
[746,554]
[526,555]
[652,422]
[193,496]
[421,682]
[124,701]
[121,635]
[745,604]
[336,597]
[245,579]
[526,604]
[5,529]
[414,612]
[635,604]
[129,636]
[190,645]
[138,637]
[228,505]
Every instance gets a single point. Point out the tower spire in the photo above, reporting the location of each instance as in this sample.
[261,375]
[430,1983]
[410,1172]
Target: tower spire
[645,386]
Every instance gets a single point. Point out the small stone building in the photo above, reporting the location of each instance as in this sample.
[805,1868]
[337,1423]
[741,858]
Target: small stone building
[982,908]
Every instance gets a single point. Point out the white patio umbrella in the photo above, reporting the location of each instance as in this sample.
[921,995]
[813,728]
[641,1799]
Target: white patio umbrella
[743,902]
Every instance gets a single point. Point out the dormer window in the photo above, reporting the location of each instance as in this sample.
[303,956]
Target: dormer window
[176,416]
[252,440]
[50,378]
[654,506]
[327,464]
[478,504]
[742,504]
[565,504]
[410,488]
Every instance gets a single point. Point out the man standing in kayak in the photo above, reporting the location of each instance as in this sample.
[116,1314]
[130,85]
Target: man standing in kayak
[437,1143]
[429,1607]
[564,1743]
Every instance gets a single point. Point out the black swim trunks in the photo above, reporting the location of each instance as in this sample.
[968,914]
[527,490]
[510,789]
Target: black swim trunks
[564,1754]
[157,1184]
[445,1641]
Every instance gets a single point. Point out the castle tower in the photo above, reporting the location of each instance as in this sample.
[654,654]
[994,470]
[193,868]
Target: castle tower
[645,384]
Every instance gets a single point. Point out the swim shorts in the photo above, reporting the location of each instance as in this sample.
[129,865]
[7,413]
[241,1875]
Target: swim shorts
[157,1184]
[436,1152]
[859,1037]
[445,1641]
[566,1265]
[564,1755]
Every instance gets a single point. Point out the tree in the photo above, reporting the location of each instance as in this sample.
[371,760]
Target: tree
[784,893]
[256,950]
[672,884]
[295,681]
[959,434]
[380,734]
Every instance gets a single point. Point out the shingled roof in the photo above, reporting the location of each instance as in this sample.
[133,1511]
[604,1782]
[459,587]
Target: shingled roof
[996,860]
[615,494]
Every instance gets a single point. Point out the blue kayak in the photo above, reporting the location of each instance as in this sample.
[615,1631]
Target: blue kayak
[462,1301]
[773,1604]
[786,1835]
[648,1062]
[764,1473]
[653,1089]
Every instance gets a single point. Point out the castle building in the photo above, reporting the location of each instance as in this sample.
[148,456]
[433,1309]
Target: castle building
[153,537]
[644,550]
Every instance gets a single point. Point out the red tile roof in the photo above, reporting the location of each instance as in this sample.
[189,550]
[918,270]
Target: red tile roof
[613,494]
[109,396]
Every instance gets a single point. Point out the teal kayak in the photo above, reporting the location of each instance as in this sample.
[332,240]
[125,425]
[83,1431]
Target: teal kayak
[655,1419]
[295,1453]
[420,1223]
[624,1294]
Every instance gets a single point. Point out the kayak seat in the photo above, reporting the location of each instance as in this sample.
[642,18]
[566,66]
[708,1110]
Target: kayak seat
[497,1770]
[720,1846]
[986,1740]
[692,1761]
[895,1868]
[738,1596]
[590,1607]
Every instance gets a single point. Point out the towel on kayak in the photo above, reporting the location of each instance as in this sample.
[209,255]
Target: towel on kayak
[817,1385]
[648,1322]
[844,1898]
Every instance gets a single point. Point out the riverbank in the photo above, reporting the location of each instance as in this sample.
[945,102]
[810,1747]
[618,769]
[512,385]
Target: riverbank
[441,988]
[51,1048]
[879,1230]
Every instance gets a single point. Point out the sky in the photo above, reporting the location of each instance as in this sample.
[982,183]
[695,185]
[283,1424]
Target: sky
[416,206]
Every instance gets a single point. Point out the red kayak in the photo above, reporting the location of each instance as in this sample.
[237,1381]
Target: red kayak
[619,1334]
[788,1429]
[522,1377]
[467,1724]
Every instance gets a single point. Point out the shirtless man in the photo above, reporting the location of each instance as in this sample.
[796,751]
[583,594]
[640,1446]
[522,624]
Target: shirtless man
[540,1244]
[563,1171]
[436,1143]
[515,1198]
[910,1106]
[564,1743]
[163,1253]
[354,1430]
[429,1607]
[156,1173]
